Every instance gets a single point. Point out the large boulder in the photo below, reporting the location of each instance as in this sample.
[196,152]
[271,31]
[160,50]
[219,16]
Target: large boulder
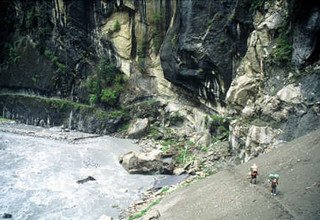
[291,94]
[242,89]
[146,163]
[138,128]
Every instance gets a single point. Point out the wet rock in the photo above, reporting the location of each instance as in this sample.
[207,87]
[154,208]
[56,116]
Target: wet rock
[6,215]
[89,178]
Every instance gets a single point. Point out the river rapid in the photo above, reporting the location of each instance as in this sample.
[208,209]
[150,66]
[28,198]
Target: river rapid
[40,168]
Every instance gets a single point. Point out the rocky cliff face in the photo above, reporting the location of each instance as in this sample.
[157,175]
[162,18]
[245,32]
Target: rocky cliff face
[257,60]
[275,90]
[204,45]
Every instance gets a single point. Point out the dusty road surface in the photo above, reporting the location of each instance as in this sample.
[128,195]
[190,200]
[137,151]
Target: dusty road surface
[228,194]
[40,169]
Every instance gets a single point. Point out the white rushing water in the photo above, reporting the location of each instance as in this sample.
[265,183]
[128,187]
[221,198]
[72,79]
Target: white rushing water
[38,177]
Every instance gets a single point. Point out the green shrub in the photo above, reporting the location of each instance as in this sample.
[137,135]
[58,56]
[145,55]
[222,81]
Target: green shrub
[156,17]
[93,99]
[54,60]
[283,50]
[142,48]
[106,83]
[184,155]
[116,26]
[157,41]
[120,113]
[108,96]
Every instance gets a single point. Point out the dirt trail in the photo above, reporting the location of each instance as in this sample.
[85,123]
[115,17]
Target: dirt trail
[228,194]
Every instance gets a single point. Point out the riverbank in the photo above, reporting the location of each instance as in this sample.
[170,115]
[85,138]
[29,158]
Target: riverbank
[229,195]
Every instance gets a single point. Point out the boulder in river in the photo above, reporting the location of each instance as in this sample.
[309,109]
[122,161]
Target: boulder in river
[89,178]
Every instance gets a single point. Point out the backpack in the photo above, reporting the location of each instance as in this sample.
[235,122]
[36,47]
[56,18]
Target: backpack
[273,176]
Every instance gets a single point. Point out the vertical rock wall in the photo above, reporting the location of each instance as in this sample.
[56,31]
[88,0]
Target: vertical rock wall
[206,40]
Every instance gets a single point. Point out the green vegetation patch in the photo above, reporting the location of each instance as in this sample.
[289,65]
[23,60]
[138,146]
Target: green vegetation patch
[63,107]
[283,50]
[157,20]
[3,120]
[144,211]
[55,60]
[116,26]
[105,85]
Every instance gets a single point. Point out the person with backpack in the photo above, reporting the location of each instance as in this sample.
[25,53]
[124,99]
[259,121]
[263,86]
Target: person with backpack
[253,173]
[273,178]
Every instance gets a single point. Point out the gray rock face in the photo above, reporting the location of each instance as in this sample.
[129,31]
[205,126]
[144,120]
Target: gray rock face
[198,51]
[306,35]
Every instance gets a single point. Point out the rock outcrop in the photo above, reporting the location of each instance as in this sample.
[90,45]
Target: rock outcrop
[270,98]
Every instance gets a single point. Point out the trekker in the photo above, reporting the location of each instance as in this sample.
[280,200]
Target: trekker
[274,183]
[254,173]
[273,178]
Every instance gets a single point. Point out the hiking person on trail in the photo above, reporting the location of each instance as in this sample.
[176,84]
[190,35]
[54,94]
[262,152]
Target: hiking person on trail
[253,173]
[273,178]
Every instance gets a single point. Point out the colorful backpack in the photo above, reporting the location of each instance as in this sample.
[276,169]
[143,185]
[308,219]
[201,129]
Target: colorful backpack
[273,176]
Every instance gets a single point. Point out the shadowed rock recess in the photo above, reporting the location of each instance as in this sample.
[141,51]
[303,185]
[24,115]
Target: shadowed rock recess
[199,84]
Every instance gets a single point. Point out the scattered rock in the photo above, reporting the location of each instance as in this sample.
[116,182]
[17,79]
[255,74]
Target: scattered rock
[6,215]
[178,171]
[152,215]
[89,178]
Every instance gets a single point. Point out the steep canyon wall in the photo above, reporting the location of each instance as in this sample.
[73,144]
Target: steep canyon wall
[256,61]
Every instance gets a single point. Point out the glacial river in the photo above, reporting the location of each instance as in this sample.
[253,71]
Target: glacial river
[40,169]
